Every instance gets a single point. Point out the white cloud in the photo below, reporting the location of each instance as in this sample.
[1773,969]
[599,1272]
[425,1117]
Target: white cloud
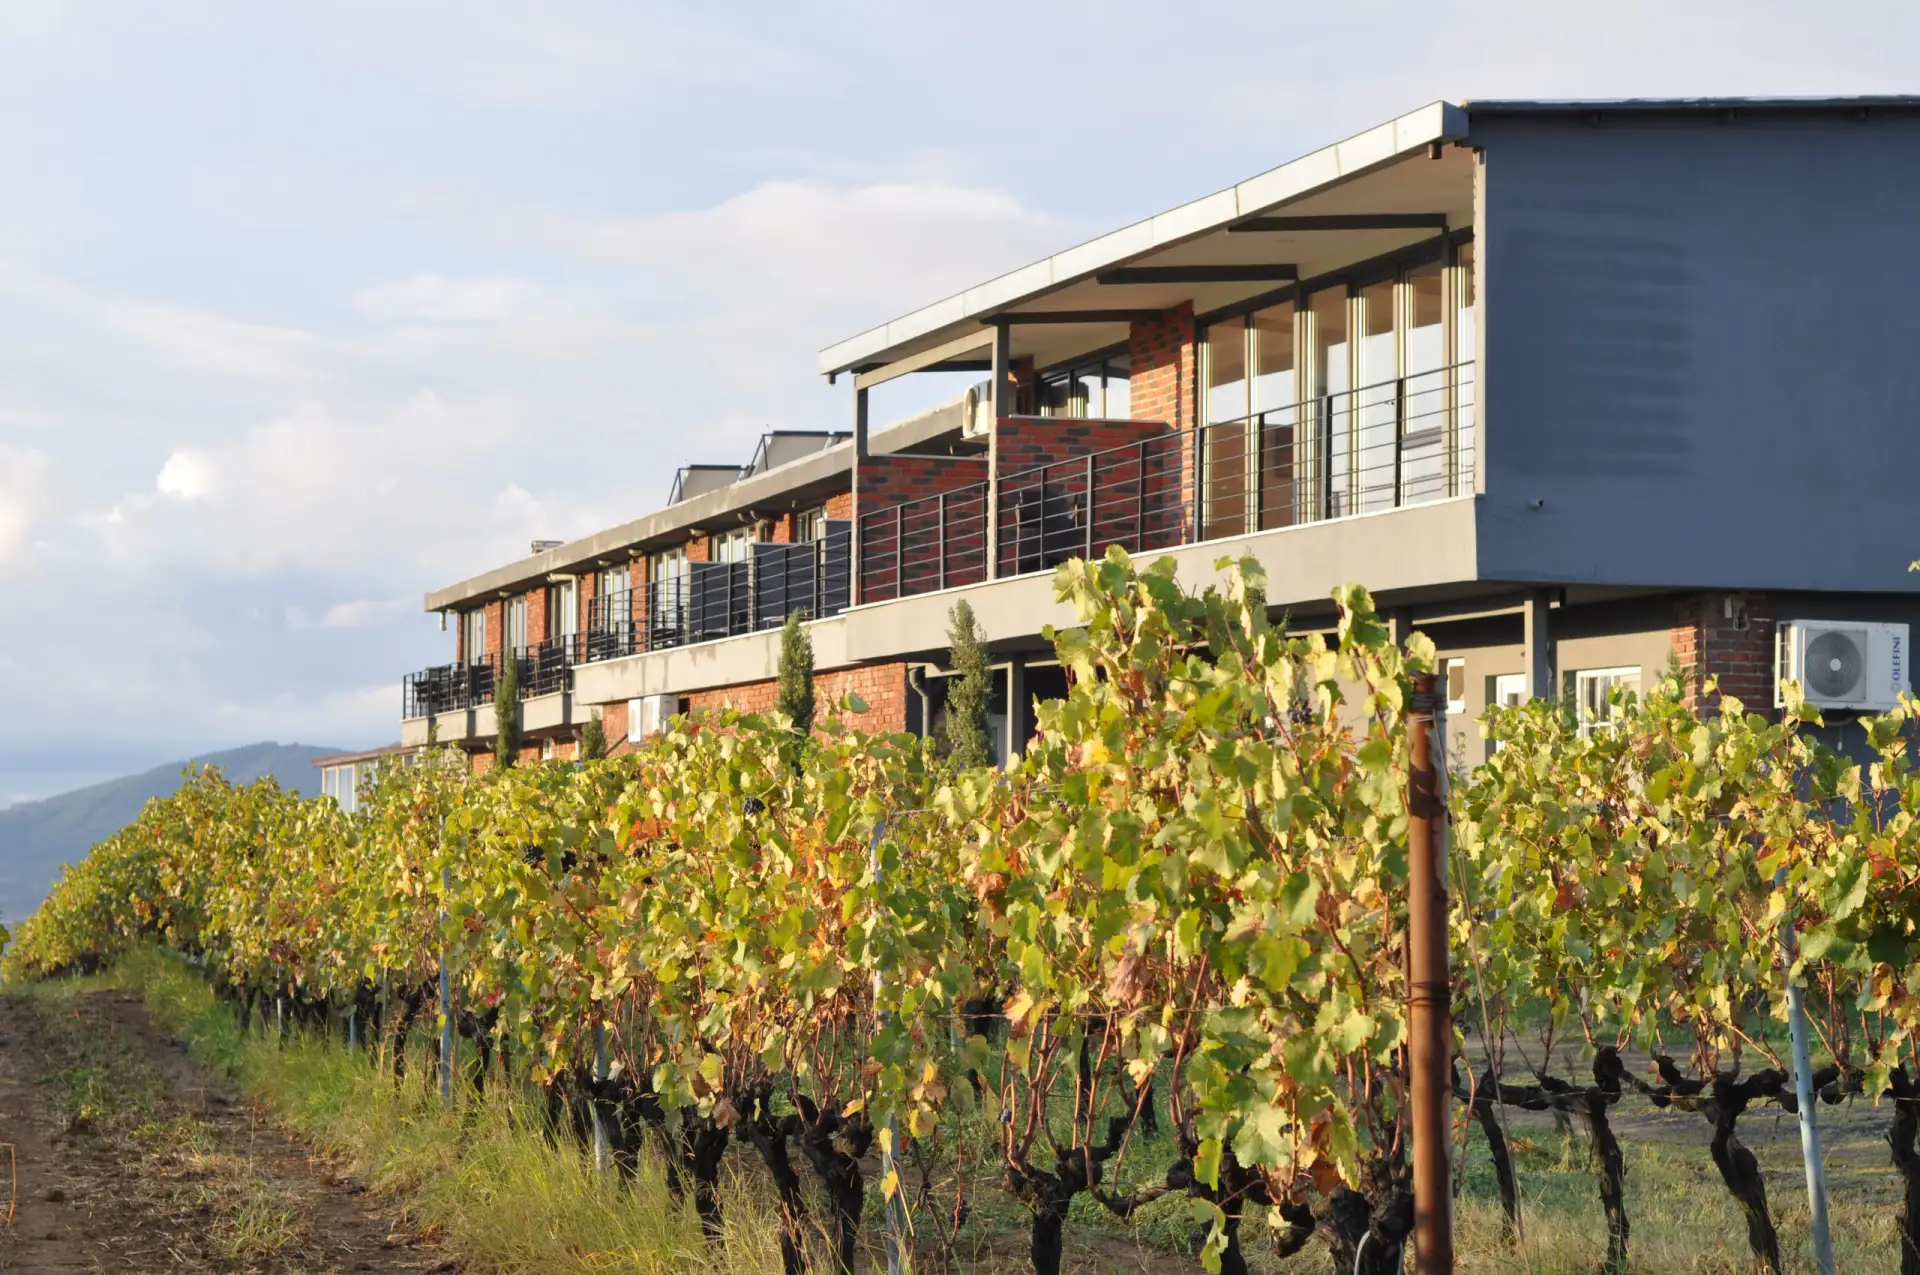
[329,490]
[428,298]
[185,476]
[27,477]
[362,613]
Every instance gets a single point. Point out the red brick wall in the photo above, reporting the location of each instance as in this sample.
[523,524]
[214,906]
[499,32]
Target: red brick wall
[1029,441]
[882,686]
[536,614]
[1707,643]
[1046,511]
[910,545]
[840,506]
[613,720]
[496,626]
[1162,361]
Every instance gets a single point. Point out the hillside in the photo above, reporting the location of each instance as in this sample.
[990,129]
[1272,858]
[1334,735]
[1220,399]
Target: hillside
[38,837]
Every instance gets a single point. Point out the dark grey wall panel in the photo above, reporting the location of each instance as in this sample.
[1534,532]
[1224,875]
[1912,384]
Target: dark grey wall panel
[1701,351]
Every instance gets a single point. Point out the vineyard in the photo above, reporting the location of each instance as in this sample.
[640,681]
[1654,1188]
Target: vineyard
[1164,956]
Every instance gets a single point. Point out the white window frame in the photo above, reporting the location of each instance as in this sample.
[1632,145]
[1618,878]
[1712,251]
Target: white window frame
[1451,668]
[563,608]
[1597,714]
[667,565]
[1503,684]
[513,634]
[475,622]
[732,546]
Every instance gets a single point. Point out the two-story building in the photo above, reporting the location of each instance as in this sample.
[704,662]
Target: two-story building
[1584,390]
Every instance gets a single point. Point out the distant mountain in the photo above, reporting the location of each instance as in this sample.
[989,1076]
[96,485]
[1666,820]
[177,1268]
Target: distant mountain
[38,837]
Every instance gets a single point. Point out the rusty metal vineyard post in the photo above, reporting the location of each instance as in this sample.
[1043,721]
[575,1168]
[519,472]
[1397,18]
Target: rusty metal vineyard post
[1430,1027]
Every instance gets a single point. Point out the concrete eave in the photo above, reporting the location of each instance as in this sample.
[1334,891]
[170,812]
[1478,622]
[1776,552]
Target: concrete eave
[962,312]
[823,472]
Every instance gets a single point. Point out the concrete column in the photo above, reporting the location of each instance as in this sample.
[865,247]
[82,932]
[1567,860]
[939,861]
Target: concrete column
[1002,394]
[1400,625]
[859,456]
[1539,645]
[1016,736]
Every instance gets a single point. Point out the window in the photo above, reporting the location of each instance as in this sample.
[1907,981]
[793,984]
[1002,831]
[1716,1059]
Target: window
[516,636]
[1456,670]
[1375,449]
[1276,395]
[1332,379]
[1465,346]
[730,546]
[1095,389]
[473,644]
[338,782]
[1227,483]
[1423,474]
[667,586]
[1594,692]
[1507,690]
[810,526]
[546,749]
[563,609]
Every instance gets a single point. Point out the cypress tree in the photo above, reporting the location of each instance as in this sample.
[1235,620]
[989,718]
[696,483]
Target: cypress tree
[506,715]
[593,739]
[967,693]
[795,697]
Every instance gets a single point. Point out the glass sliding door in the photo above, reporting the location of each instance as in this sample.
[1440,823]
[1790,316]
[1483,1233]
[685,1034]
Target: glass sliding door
[1276,408]
[1225,455]
[1423,413]
[1466,339]
[1376,400]
[1332,379]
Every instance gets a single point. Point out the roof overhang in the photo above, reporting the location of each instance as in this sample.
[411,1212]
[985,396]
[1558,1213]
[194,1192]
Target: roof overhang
[954,321]
[1735,106]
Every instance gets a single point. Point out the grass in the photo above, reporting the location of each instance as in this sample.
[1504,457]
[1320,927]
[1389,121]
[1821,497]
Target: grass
[497,1193]
[479,1176]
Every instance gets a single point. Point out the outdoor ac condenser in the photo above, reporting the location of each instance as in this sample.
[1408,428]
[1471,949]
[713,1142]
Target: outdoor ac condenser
[1842,663]
[976,419]
[649,715]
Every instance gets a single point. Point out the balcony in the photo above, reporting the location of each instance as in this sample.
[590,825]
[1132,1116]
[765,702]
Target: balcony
[1395,444]
[712,600]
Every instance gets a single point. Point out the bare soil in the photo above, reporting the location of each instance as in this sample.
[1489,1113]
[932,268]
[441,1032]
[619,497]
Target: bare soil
[118,1153]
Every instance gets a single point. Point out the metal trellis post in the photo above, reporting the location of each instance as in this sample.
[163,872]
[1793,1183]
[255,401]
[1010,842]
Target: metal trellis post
[446,994]
[600,1150]
[1809,1125]
[892,1203]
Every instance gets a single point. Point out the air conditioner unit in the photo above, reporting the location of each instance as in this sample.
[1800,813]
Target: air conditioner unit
[1842,664]
[649,715]
[976,420]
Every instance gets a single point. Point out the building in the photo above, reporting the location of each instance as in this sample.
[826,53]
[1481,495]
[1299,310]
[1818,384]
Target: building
[344,776]
[1581,389]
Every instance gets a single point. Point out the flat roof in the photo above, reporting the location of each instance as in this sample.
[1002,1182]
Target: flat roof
[1685,105]
[953,318]
[365,754]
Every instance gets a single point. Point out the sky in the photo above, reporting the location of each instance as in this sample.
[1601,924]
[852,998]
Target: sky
[308,309]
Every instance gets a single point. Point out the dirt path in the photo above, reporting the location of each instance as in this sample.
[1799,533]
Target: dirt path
[126,1156]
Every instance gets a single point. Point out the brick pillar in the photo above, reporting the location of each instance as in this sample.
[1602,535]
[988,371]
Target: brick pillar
[1162,363]
[1728,636]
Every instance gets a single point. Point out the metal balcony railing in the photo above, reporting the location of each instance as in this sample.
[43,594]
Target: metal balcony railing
[446,688]
[1407,441]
